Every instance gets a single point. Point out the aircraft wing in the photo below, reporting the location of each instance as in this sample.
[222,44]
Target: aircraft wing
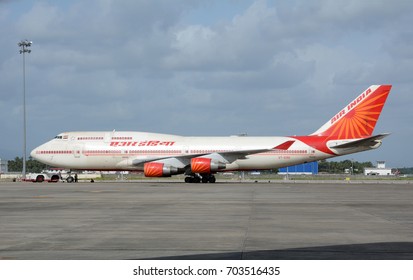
[225,157]
[232,156]
[183,160]
[372,142]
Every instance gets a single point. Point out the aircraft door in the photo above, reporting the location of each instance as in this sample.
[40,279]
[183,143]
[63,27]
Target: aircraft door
[77,150]
[185,150]
[108,136]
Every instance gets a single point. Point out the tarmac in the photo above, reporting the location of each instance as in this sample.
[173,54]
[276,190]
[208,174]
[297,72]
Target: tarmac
[171,220]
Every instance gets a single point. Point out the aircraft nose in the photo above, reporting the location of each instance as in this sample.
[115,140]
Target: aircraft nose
[39,155]
[33,153]
[36,153]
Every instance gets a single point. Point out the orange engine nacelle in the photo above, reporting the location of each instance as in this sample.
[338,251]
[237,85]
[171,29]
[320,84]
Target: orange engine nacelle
[205,165]
[157,169]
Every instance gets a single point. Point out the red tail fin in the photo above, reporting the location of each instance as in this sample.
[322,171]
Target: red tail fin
[359,117]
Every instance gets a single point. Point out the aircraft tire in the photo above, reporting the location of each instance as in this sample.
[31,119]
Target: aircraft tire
[212,179]
[70,179]
[194,179]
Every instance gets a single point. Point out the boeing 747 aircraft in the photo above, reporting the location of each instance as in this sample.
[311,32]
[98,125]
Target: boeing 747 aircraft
[162,155]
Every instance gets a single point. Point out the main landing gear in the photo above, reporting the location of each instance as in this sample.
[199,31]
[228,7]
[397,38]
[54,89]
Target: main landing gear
[204,178]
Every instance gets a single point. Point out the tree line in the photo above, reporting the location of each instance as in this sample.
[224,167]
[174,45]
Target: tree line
[406,170]
[337,167]
[32,165]
[333,167]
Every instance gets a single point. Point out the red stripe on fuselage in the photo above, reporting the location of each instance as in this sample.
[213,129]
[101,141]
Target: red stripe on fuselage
[317,142]
[284,146]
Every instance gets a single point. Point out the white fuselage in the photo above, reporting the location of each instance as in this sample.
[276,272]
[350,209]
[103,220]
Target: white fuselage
[124,150]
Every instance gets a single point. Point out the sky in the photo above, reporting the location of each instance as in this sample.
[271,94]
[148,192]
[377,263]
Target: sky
[203,68]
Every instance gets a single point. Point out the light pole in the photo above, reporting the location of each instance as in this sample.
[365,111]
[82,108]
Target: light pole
[24,48]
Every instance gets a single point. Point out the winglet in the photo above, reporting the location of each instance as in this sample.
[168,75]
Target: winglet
[285,145]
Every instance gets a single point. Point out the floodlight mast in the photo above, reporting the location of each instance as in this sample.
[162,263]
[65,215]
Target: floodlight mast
[24,48]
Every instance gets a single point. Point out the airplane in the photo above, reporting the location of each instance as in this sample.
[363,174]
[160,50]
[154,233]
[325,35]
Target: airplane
[199,158]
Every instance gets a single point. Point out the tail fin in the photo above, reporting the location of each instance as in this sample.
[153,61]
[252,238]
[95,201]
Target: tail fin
[359,117]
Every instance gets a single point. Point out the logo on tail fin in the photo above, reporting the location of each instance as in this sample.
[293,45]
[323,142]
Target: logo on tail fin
[359,117]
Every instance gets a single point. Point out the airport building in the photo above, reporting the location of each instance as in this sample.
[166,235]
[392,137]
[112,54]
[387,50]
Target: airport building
[379,170]
[4,166]
[309,168]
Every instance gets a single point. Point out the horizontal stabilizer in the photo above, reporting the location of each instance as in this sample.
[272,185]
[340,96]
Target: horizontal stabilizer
[366,142]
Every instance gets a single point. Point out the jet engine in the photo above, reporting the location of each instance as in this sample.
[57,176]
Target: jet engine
[157,169]
[206,165]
